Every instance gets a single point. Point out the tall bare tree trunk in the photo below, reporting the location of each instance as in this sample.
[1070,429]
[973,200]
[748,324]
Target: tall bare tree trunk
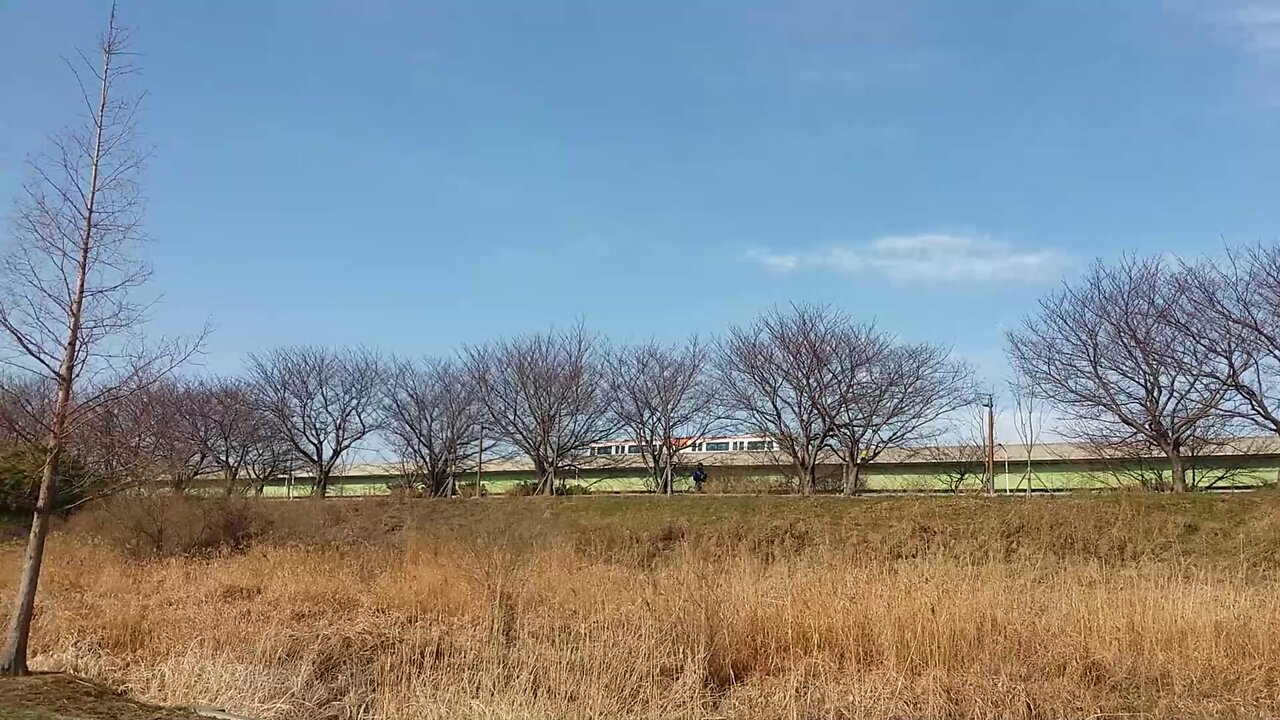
[546,477]
[14,658]
[1177,472]
[13,661]
[853,477]
[807,480]
[321,487]
[668,474]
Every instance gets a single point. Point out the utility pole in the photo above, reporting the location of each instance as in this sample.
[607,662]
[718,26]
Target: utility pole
[479,461]
[990,480]
[1027,445]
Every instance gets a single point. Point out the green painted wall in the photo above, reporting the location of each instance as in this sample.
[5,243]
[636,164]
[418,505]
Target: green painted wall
[1058,475]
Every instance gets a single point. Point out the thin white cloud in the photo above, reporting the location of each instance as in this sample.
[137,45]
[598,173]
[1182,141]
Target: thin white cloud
[1256,26]
[1252,27]
[774,261]
[921,258]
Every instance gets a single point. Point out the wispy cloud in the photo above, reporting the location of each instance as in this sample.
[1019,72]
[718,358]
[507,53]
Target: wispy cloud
[926,258]
[1253,28]
[1256,26]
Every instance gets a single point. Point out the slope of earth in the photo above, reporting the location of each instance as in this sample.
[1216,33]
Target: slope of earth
[55,696]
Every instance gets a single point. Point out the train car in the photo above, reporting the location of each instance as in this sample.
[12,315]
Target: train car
[702,445]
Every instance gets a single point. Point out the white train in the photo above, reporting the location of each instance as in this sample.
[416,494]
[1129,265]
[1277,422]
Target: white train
[732,443]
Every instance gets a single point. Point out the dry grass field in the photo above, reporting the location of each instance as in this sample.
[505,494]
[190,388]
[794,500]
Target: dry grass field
[497,609]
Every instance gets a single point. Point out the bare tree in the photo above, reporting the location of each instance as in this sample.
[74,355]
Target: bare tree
[893,396]
[432,418]
[777,377]
[1109,355]
[217,416]
[67,315]
[170,448]
[1141,464]
[270,456]
[963,463]
[25,398]
[543,394]
[322,402]
[137,441]
[1235,323]
[661,396]
[108,446]
[1029,421]
[858,352]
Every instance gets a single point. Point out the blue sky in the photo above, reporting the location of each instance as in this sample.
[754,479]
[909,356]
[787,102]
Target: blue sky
[413,176]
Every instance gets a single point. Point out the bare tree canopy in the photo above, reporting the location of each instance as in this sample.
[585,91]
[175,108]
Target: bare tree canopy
[322,402]
[892,395]
[432,420]
[215,417]
[1030,423]
[661,397]
[218,417]
[543,394]
[171,449]
[777,376]
[1109,355]
[68,316]
[963,463]
[1236,324]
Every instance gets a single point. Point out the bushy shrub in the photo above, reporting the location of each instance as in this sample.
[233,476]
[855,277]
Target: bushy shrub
[20,470]
[524,488]
[150,524]
[468,490]
[747,485]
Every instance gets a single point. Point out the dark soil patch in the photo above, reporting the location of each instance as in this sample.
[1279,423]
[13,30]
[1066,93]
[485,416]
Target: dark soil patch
[55,696]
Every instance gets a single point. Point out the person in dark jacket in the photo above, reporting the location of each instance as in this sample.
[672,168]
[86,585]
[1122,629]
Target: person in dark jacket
[699,477]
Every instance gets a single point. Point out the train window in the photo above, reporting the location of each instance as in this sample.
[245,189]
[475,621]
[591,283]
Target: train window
[757,445]
[633,450]
[607,450]
[717,446]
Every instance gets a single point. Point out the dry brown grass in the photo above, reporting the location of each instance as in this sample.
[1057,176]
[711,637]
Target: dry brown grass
[693,608]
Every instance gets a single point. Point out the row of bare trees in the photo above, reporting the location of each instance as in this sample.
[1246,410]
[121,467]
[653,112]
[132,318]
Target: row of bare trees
[816,382]
[1149,355]
[807,378]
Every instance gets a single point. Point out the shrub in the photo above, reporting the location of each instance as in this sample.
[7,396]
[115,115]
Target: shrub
[20,470]
[527,488]
[523,488]
[468,490]
[747,485]
[149,524]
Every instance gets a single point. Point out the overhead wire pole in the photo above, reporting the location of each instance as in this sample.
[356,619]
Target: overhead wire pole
[480,462]
[990,479]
